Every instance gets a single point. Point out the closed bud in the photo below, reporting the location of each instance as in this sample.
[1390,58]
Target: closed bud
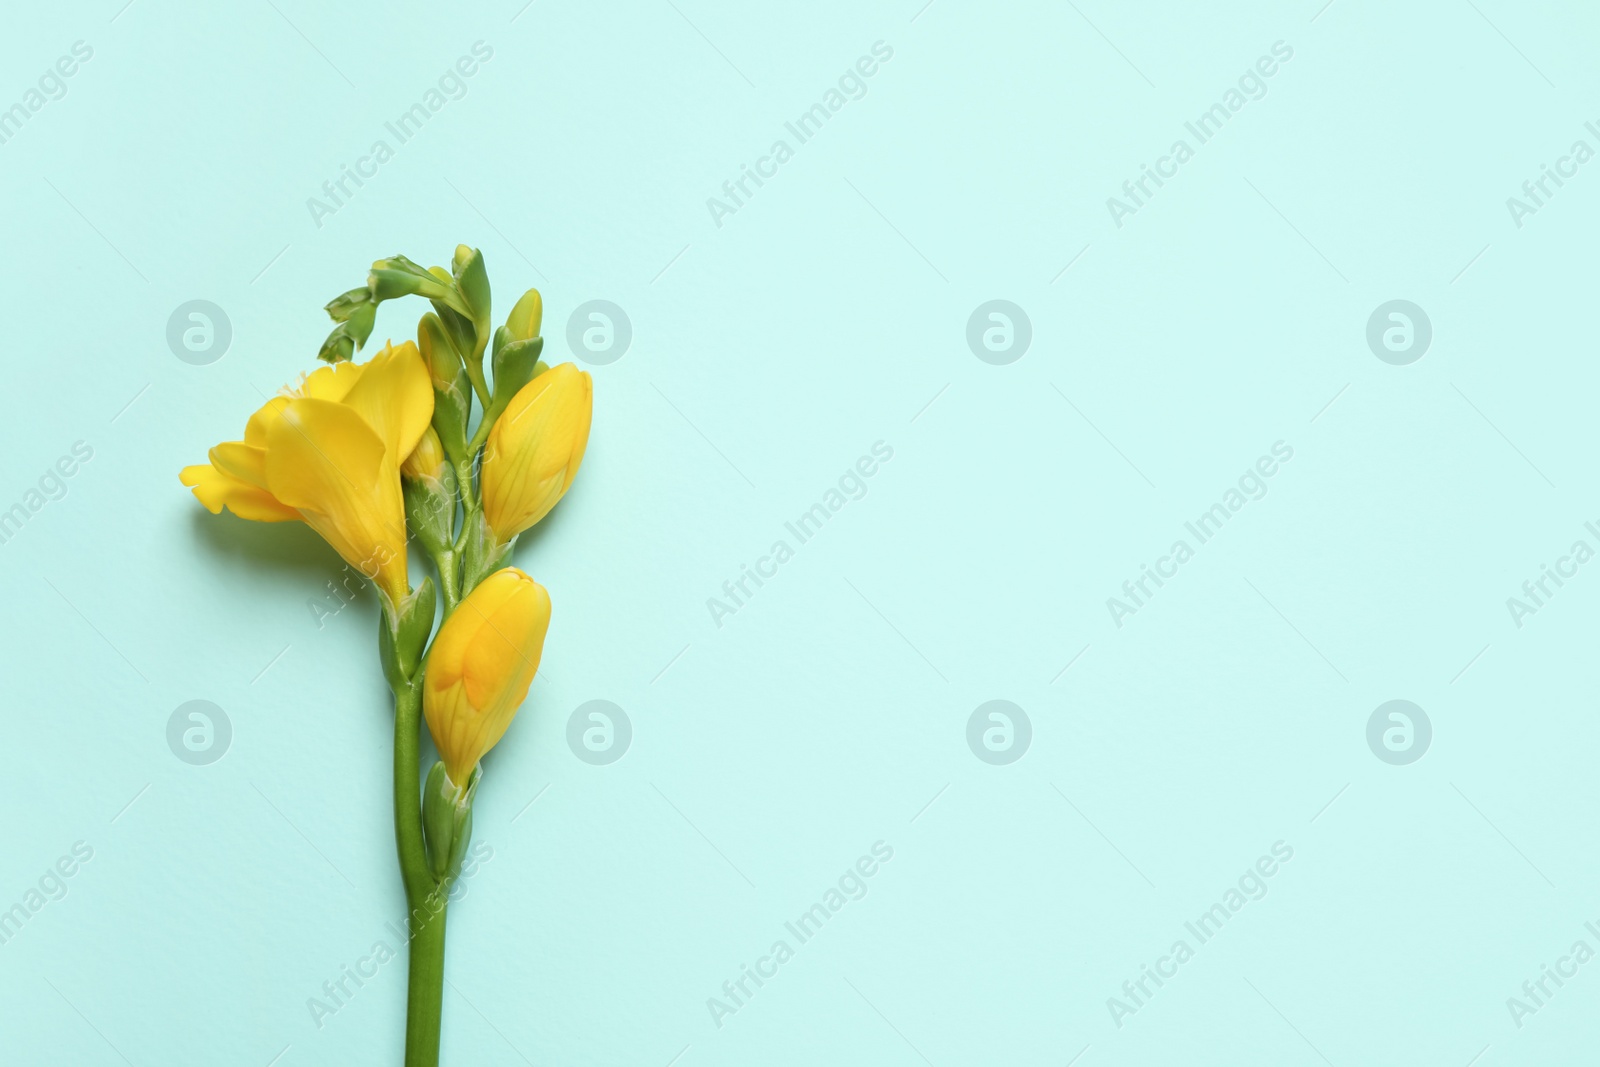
[526,317]
[399,276]
[535,449]
[403,634]
[480,667]
[428,484]
[427,461]
[447,820]
[438,352]
[452,391]
[471,280]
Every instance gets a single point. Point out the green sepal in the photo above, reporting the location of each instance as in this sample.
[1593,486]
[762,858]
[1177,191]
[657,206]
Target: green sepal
[452,407]
[472,279]
[431,509]
[514,366]
[439,349]
[401,642]
[482,554]
[471,282]
[447,819]
[521,325]
[459,329]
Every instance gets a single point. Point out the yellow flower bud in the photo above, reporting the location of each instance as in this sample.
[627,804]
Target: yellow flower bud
[526,316]
[427,460]
[535,449]
[481,665]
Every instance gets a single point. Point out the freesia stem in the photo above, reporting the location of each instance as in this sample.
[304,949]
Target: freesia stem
[481,437]
[449,579]
[426,897]
[425,993]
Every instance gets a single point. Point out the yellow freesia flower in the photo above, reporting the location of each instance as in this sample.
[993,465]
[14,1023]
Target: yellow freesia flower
[535,449]
[481,664]
[329,453]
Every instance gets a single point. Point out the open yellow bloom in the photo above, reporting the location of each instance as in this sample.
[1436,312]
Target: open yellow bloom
[329,453]
[481,664]
[535,449]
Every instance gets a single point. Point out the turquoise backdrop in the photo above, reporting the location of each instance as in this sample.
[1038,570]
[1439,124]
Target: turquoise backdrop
[1192,381]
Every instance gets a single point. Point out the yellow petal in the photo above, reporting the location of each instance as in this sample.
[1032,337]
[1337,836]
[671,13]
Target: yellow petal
[499,666]
[427,460]
[255,431]
[481,665]
[324,460]
[217,490]
[325,383]
[332,382]
[395,396]
[243,462]
[536,448]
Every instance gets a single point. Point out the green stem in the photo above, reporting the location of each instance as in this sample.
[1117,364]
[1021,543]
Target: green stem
[449,579]
[425,992]
[426,898]
[471,507]
[481,436]
[475,376]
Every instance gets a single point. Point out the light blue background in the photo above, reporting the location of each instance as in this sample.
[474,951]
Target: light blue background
[769,353]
